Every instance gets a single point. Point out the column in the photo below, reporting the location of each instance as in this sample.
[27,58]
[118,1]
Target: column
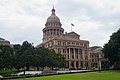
[69,59]
[49,32]
[79,65]
[69,54]
[58,32]
[74,64]
[69,64]
[74,53]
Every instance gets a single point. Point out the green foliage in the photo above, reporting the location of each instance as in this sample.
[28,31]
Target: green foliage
[112,48]
[26,55]
[6,72]
[6,57]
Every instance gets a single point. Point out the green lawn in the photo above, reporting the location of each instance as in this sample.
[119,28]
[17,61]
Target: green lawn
[104,75]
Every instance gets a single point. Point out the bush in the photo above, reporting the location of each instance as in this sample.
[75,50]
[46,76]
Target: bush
[6,72]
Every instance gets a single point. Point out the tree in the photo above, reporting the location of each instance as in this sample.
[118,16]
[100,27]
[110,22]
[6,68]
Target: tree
[17,52]
[55,59]
[112,49]
[42,57]
[6,57]
[26,55]
[27,51]
[23,55]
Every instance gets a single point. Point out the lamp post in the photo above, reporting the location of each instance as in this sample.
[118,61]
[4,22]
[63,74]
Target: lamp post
[99,63]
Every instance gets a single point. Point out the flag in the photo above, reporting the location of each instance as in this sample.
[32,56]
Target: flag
[72,24]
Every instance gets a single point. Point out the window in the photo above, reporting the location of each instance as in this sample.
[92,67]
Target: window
[64,50]
[92,60]
[68,56]
[68,50]
[77,56]
[86,57]
[64,43]
[76,51]
[81,56]
[68,43]
[59,50]
[80,51]
[72,50]
[59,43]
[77,43]
[73,43]
[85,51]
[72,56]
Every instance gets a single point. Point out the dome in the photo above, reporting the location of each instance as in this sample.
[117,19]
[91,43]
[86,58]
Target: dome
[53,17]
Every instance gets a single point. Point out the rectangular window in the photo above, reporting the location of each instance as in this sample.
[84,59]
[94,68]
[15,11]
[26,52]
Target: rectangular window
[68,56]
[68,50]
[77,56]
[80,51]
[71,50]
[64,43]
[72,56]
[86,57]
[64,50]
[81,56]
[76,51]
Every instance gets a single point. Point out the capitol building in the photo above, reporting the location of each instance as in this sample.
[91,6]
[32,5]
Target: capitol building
[76,51]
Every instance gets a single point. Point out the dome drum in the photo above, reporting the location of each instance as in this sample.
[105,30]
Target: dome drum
[53,28]
[53,24]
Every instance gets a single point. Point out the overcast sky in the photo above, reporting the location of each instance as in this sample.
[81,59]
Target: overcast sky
[94,20]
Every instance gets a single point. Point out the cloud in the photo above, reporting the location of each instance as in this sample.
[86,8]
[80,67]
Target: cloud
[94,20]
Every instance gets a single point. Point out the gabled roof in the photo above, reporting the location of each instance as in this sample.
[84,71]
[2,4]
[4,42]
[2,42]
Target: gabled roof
[73,33]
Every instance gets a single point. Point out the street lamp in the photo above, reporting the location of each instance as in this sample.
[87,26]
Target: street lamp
[24,72]
[99,62]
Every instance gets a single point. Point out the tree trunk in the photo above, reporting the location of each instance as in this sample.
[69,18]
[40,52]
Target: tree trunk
[27,68]
[52,68]
[37,68]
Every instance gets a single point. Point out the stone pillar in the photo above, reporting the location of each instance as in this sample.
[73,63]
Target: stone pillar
[52,32]
[59,32]
[69,58]
[55,32]
[74,64]
[49,32]
[79,65]
[74,53]
[69,64]
[69,54]
[45,33]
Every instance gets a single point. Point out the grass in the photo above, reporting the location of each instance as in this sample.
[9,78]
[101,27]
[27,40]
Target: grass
[104,75]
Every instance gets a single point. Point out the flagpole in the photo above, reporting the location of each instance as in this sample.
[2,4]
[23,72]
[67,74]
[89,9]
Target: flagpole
[71,28]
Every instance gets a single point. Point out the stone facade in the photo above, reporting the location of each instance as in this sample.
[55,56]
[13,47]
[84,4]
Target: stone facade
[75,51]
[4,42]
[96,56]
